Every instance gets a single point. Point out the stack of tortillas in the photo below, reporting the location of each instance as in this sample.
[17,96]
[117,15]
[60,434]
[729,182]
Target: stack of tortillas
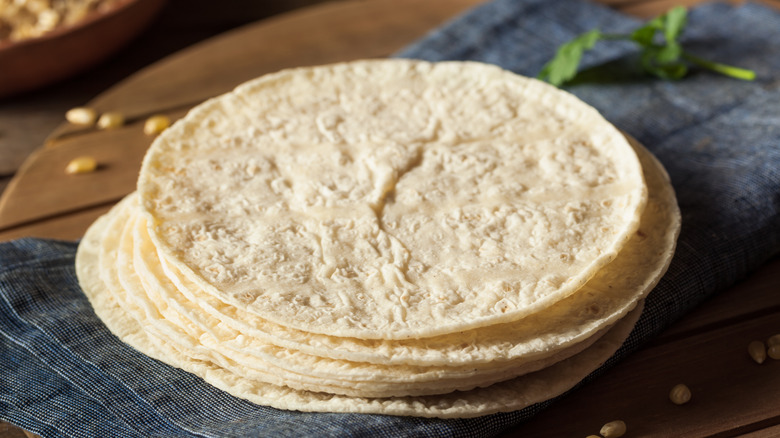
[387,236]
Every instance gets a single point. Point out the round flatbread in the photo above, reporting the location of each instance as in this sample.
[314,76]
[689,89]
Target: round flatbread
[149,297]
[609,295]
[506,396]
[391,199]
[180,324]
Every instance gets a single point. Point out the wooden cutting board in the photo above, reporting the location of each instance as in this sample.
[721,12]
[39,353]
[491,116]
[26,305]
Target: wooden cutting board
[706,350]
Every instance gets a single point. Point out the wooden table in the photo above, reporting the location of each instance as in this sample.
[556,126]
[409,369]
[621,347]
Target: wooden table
[706,350]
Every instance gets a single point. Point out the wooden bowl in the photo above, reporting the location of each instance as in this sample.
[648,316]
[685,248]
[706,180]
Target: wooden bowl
[65,51]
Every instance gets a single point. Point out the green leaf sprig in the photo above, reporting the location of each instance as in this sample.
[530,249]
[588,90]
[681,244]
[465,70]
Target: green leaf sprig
[666,59]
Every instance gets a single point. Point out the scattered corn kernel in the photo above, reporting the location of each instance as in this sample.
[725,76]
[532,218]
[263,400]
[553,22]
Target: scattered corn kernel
[680,394]
[81,165]
[757,351]
[81,116]
[613,429]
[773,340]
[111,120]
[774,352]
[156,124]
[592,436]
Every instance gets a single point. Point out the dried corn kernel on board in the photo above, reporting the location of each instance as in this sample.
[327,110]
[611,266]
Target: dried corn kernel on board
[703,350]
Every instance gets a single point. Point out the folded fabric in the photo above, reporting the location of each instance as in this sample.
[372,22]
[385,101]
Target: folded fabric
[63,374]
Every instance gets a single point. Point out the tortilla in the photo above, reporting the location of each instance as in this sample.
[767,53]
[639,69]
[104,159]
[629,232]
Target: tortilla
[151,299]
[502,397]
[605,298]
[386,236]
[391,199]
[205,337]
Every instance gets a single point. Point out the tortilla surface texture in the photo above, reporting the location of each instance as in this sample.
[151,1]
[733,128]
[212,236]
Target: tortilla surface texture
[391,199]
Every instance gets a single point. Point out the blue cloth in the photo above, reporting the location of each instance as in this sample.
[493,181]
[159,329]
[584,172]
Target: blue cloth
[62,374]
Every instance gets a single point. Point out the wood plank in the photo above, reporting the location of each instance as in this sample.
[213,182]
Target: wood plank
[23,127]
[769,432]
[42,189]
[10,431]
[4,181]
[33,63]
[754,297]
[69,227]
[731,393]
[723,326]
[648,9]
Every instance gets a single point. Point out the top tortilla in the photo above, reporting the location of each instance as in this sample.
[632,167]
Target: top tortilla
[391,199]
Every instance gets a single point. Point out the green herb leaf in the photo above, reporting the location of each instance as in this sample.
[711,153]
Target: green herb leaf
[645,35]
[666,59]
[674,23]
[564,65]
[657,61]
[663,60]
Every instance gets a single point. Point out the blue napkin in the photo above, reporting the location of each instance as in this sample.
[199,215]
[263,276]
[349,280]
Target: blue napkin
[62,374]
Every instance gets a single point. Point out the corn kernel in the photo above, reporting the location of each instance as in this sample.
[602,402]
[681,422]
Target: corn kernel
[757,351]
[156,124]
[680,394]
[613,429]
[81,165]
[774,352]
[773,340]
[111,120]
[81,116]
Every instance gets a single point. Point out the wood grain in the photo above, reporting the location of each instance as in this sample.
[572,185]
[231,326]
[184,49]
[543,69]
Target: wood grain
[756,297]
[69,226]
[119,153]
[769,432]
[9,431]
[648,9]
[729,389]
